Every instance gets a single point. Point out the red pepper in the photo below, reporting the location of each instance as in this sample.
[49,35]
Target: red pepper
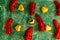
[12,4]
[32,7]
[8,29]
[57,27]
[28,34]
[57,7]
[40,23]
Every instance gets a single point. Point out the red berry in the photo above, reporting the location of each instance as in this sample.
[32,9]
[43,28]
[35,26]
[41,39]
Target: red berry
[57,7]
[32,7]
[40,23]
[8,29]
[12,5]
[57,27]
[28,34]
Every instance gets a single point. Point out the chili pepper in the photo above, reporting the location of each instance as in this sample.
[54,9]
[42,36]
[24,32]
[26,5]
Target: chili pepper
[40,23]
[32,7]
[57,27]
[12,4]
[57,7]
[8,29]
[28,34]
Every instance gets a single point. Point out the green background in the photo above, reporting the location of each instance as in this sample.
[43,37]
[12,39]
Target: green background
[22,19]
